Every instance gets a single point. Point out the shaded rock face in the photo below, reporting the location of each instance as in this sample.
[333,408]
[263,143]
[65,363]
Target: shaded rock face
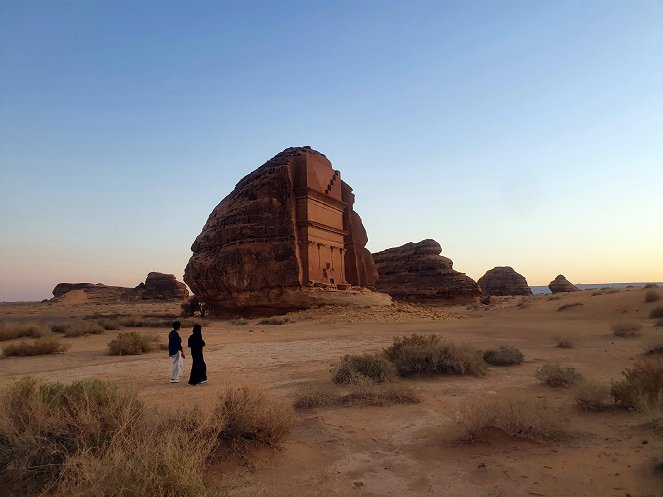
[156,286]
[504,281]
[561,284]
[417,271]
[287,226]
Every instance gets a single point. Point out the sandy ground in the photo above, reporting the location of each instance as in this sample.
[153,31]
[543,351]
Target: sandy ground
[398,450]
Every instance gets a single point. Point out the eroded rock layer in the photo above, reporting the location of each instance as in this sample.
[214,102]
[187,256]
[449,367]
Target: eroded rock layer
[417,271]
[286,229]
[157,286]
[561,284]
[503,280]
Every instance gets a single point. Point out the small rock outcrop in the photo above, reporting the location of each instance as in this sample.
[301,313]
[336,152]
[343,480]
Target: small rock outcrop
[417,271]
[164,286]
[286,237]
[62,288]
[560,284]
[157,286]
[503,280]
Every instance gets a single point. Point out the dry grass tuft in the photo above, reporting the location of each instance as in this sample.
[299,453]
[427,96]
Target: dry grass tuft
[656,312]
[566,340]
[568,306]
[557,376]
[360,394]
[132,343]
[626,329]
[375,367]
[653,346]
[78,327]
[652,296]
[40,346]
[504,356]
[276,320]
[642,387]
[426,354]
[518,417]
[592,395]
[239,321]
[12,330]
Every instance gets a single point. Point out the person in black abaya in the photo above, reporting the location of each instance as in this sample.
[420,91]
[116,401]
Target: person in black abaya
[198,366]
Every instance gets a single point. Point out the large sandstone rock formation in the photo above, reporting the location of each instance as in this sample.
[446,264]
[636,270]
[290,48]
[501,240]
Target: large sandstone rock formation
[503,280]
[417,271]
[286,237]
[157,286]
[561,284]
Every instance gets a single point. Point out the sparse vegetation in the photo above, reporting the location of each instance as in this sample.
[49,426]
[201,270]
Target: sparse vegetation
[276,320]
[659,323]
[568,306]
[78,327]
[626,329]
[642,386]
[239,321]
[652,296]
[375,367]
[592,395]
[519,417]
[566,340]
[132,343]
[194,305]
[40,346]
[557,376]
[364,393]
[656,312]
[653,346]
[13,330]
[503,356]
[421,354]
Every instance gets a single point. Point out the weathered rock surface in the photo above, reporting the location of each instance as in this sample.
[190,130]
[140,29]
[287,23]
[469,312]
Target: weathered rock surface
[503,280]
[157,286]
[284,238]
[417,271]
[561,284]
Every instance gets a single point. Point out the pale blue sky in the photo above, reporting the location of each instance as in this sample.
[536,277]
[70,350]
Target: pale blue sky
[521,133]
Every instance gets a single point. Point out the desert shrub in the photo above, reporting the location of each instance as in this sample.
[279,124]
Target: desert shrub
[194,305]
[109,324]
[656,312]
[626,329]
[363,393]
[239,321]
[557,376]
[40,346]
[592,395]
[12,330]
[659,323]
[642,386]
[565,340]
[375,367]
[568,306]
[652,296]
[503,356]
[77,328]
[248,414]
[275,320]
[657,465]
[132,343]
[653,346]
[518,417]
[420,354]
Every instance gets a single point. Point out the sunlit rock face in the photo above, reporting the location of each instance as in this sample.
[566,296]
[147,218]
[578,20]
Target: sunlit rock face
[560,284]
[286,237]
[503,280]
[417,272]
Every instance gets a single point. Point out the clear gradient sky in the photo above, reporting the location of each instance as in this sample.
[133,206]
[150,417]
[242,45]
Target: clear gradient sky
[521,133]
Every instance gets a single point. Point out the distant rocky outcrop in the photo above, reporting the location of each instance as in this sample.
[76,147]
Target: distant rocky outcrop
[156,286]
[561,284]
[286,237]
[417,271]
[503,280]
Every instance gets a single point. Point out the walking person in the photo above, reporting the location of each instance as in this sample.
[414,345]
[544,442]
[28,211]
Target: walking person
[175,352]
[198,366]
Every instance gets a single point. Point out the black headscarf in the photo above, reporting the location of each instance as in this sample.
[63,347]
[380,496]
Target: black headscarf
[196,338]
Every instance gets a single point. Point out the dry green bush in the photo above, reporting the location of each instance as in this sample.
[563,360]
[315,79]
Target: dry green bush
[656,312]
[275,320]
[363,393]
[519,417]
[557,376]
[40,346]
[652,296]
[506,355]
[568,306]
[132,343]
[77,328]
[375,367]
[11,330]
[592,395]
[247,414]
[566,340]
[642,386]
[626,329]
[426,354]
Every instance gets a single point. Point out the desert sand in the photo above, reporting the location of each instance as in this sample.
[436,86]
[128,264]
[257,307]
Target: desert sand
[398,450]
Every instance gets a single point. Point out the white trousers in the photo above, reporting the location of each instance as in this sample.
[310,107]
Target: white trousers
[178,364]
